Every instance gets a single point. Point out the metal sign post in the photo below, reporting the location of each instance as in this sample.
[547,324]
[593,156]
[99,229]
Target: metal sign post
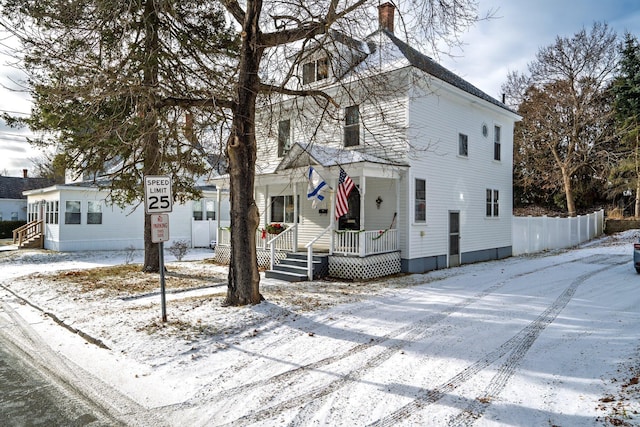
[159,235]
[163,301]
[158,199]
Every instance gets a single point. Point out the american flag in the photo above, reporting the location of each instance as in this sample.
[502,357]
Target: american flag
[345,185]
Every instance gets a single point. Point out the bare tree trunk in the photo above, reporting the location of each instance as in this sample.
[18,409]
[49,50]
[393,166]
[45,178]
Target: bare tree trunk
[568,191]
[148,111]
[637,205]
[244,279]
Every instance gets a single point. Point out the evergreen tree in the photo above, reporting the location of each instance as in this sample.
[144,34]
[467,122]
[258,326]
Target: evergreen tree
[112,82]
[626,90]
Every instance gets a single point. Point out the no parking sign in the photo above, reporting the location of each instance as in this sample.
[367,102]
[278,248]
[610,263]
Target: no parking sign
[159,228]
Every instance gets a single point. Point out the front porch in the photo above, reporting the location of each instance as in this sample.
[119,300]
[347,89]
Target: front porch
[352,254]
[362,241]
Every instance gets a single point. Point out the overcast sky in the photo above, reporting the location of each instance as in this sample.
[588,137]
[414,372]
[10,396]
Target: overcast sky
[492,49]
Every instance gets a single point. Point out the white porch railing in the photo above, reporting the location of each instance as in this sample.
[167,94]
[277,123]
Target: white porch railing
[363,243]
[283,241]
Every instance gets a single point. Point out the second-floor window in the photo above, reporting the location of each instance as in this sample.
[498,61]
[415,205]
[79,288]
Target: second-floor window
[496,143]
[463,145]
[351,126]
[315,71]
[284,137]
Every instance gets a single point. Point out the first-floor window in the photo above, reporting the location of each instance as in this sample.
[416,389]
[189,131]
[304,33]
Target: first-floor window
[72,212]
[211,209]
[32,212]
[420,200]
[94,213]
[492,206]
[56,212]
[197,210]
[282,209]
[51,212]
[14,216]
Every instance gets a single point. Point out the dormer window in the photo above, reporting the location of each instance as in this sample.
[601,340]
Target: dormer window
[315,71]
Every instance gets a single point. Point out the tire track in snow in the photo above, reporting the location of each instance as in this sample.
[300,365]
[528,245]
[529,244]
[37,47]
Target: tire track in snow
[478,406]
[517,347]
[312,400]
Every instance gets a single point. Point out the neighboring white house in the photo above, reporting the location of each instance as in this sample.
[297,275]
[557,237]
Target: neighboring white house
[430,154]
[78,217]
[13,204]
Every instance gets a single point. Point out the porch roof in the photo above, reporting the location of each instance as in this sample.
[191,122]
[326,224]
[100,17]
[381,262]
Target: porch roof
[302,155]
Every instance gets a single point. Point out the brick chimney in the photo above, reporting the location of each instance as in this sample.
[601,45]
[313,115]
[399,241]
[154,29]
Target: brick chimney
[386,16]
[24,173]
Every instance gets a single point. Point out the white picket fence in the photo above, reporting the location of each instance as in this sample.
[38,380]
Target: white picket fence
[537,234]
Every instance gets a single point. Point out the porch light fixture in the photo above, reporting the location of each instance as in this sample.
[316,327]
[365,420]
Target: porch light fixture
[378,202]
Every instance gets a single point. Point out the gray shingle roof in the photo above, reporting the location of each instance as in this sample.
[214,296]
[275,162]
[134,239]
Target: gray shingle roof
[428,65]
[12,187]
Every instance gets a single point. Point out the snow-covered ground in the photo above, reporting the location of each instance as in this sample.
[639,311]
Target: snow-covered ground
[544,340]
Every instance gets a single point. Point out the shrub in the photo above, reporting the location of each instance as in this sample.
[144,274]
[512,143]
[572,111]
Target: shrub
[7,227]
[179,249]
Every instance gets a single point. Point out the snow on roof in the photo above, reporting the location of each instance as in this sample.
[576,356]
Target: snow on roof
[389,53]
[303,154]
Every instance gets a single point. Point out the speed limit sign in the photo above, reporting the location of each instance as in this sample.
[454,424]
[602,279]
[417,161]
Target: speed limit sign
[158,197]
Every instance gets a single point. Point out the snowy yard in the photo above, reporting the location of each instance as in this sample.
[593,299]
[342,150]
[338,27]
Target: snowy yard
[546,340]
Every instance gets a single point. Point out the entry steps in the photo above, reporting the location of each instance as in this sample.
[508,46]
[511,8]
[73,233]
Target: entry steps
[294,267]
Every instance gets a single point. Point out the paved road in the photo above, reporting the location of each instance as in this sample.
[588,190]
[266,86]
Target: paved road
[36,386]
[29,398]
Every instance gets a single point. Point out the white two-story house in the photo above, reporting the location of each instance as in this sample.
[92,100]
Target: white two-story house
[430,156]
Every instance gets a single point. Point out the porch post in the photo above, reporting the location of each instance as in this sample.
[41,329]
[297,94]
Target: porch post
[266,213]
[218,213]
[363,191]
[295,217]
[332,214]
[398,211]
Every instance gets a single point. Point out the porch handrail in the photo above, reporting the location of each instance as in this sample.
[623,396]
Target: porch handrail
[286,245]
[309,247]
[27,231]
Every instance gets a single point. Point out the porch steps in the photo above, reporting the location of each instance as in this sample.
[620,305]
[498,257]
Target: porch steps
[33,243]
[294,268]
